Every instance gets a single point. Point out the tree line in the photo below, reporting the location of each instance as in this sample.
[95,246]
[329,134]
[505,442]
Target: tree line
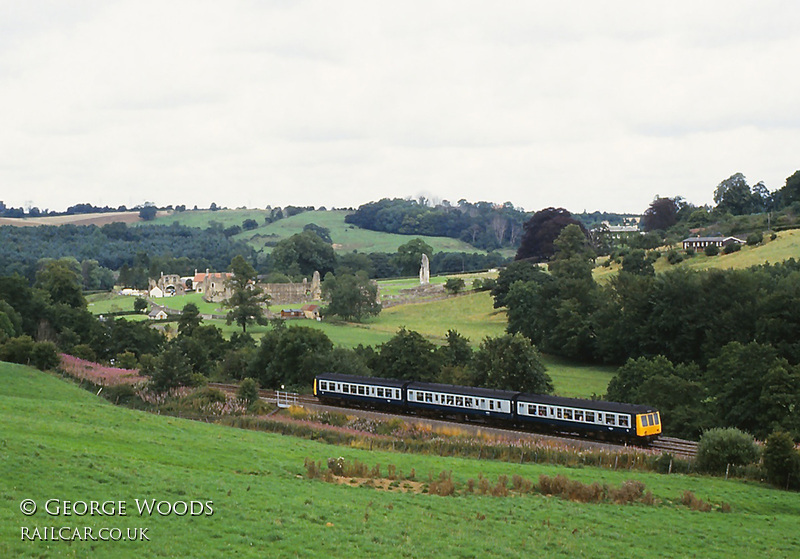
[709,348]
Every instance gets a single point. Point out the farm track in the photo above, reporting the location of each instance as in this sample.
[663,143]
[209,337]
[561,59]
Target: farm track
[677,447]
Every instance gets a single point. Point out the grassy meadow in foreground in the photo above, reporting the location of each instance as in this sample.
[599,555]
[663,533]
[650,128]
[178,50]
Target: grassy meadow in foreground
[60,442]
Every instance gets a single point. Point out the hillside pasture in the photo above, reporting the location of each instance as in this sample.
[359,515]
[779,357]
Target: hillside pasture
[60,442]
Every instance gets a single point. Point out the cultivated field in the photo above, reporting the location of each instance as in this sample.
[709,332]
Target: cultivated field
[60,442]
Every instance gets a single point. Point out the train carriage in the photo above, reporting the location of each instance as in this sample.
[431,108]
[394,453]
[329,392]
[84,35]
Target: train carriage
[460,400]
[623,420]
[366,391]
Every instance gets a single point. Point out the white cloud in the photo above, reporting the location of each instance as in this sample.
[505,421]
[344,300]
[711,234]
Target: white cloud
[582,104]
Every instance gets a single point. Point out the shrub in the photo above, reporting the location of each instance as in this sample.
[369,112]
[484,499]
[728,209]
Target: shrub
[17,350]
[711,250]
[720,447]
[454,285]
[120,393]
[782,461]
[754,238]
[443,486]
[83,351]
[731,248]
[248,391]
[126,360]
[674,257]
[44,356]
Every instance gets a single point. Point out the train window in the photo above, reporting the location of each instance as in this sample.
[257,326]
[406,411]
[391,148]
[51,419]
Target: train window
[567,414]
[623,421]
[449,400]
[428,397]
[531,410]
[491,404]
[652,419]
[345,388]
[361,390]
[645,421]
[578,415]
[380,393]
[323,385]
[420,397]
[459,401]
[611,419]
[590,416]
[559,413]
[468,402]
[657,418]
[543,411]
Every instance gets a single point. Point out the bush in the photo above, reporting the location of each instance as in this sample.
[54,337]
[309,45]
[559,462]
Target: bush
[120,393]
[731,248]
[248,391]
[711,250]
[17,350]
[44,356]
[754,238]
[782,461]
[83,351]
[454,285]
[720,447]
[674,257]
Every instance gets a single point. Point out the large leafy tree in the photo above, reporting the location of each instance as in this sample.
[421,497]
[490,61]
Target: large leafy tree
[409,256]
[408,355]
[791,191]
[62,280]
[247,299]
[520,270]
[541,231]
[735,196]
[661,214]
[352,296]
[754,389]
[511,362]
[303,254]
[290,356]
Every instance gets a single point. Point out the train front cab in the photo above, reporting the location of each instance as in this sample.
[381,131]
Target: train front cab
[648,425]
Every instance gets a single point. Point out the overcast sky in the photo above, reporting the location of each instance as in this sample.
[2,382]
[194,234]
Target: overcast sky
[584,105]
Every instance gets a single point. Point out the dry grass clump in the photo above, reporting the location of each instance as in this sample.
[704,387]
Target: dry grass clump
[443,486]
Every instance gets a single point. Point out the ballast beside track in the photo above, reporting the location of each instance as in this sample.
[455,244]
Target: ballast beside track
[677,447]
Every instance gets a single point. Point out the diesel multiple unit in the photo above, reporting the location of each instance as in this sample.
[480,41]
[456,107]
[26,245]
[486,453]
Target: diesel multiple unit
[513,408]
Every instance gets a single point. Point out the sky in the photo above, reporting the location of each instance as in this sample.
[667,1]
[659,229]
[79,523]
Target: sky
[584,105]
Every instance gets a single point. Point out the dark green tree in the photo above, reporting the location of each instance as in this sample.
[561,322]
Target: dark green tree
[189,319]
[248,391]
[62,280]
[140,305]
[720,447]
[754,389]
[247,299]
[520,270]
[454,285]
[304,253]
[409,256]
[351,297]
[790,193]
[511,362]
[782,461]
[733,195]
[541,231]
[408,355]
[171,370]
[290,356]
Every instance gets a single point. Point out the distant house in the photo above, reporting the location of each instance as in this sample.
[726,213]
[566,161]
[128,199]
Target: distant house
[292,313]
[157,313]
[311,312]
[700,243]
[156,293]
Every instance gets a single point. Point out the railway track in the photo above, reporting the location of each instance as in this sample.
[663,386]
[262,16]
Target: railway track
[677,447]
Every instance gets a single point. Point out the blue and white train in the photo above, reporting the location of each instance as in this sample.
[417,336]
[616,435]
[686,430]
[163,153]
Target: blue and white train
[517,409]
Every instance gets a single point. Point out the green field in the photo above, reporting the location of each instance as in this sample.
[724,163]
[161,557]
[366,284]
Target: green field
[60,442]
[345,237]
[785,246]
